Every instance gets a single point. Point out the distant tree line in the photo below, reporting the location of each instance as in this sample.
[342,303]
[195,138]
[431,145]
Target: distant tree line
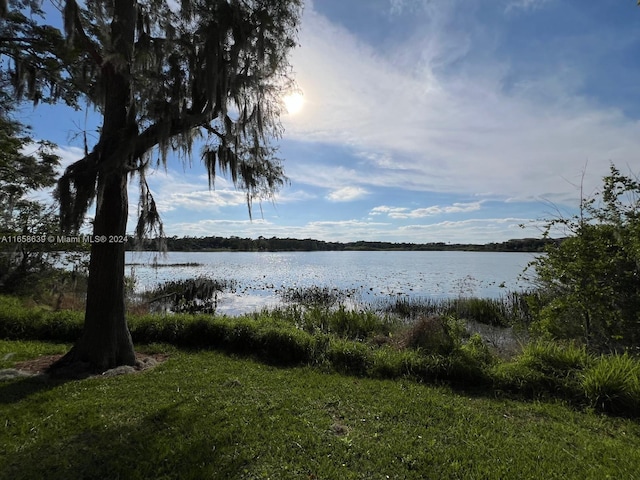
[197,244]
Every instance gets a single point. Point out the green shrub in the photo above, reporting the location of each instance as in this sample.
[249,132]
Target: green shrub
[389,362]
[437,335]
[466,369]
[350,357]
[543,369]
[555,358]
[591,276]
[20,323]
[62,326]
[478,350]
[286,345]
[429,367]
[518,377]
[612,384]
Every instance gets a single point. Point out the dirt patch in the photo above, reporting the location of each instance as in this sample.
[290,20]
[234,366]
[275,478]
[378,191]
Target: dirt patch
[40,365]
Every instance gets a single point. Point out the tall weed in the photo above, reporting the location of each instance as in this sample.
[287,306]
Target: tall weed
[612,384]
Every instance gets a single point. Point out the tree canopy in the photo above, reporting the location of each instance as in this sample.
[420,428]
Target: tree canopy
[161,75]
[591,279]
[208,70]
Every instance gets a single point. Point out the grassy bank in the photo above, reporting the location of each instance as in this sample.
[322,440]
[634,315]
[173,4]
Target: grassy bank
[206,414]
[434,350]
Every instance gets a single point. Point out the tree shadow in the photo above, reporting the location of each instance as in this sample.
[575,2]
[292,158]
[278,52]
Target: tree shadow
[168,443]
[12,391]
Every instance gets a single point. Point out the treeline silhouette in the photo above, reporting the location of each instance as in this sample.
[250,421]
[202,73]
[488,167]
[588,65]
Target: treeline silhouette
[261,244]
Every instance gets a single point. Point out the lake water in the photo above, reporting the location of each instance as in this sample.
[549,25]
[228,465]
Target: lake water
[260,276]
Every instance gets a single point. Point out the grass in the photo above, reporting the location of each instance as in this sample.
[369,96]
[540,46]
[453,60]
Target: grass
[209,415]
[510,309]
[435,350]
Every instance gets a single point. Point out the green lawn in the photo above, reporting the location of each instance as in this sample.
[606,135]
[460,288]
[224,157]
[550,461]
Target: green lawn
[208,415]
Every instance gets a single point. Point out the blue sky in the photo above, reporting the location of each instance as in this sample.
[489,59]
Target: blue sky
[427,121]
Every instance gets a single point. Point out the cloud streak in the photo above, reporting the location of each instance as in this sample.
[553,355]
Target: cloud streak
[404,213]
[440,114]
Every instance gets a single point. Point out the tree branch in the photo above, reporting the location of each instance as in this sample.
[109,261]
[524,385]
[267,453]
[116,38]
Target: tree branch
[71,10]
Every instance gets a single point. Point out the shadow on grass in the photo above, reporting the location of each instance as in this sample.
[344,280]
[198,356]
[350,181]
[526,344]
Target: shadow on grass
[170,443]
[12,391]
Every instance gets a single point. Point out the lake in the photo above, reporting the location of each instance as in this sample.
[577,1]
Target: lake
[260,276]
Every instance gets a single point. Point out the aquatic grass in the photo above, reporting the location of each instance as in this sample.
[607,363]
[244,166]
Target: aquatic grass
[193,295]
[314,296]
[508,310]
[340,321]
[433,334]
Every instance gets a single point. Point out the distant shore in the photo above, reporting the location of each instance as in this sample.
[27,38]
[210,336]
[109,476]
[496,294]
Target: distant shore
[236,244]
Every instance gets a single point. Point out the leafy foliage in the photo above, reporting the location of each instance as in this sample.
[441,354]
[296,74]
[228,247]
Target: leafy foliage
[23,220]
[161,75]
[592,278]
[201,68]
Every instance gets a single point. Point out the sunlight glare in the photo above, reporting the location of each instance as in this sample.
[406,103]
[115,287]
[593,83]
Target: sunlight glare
[294,102]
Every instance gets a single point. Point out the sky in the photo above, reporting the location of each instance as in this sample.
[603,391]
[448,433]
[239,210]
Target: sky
[457,121]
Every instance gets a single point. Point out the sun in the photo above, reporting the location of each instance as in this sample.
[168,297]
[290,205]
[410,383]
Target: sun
[293,102]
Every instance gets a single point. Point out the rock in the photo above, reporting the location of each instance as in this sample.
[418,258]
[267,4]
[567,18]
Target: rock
[12,373]
[121,370]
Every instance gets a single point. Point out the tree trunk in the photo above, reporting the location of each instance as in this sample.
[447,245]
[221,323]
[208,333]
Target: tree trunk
[106,342]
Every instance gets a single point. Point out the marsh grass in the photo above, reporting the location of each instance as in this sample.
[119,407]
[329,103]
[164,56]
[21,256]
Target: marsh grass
[205,414]
[314,296]
[193,295]
[508,310]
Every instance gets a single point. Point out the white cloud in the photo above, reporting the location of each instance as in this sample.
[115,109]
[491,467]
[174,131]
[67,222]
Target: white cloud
[347,194]
[515,5]
[221,228]
[174,190]
[403,213]
[477,231]
[434,115]
[466,231]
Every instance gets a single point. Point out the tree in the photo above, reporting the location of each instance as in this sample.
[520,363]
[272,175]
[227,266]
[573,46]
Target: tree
[24,222]
[592,278]
[161,74]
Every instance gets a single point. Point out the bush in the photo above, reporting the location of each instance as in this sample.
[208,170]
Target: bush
[592,277]
[286,346]
[555,358]
[20,323]
[545,368]
[476,349]
[612,384]
[437,335]
[350,357]
[518,377]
